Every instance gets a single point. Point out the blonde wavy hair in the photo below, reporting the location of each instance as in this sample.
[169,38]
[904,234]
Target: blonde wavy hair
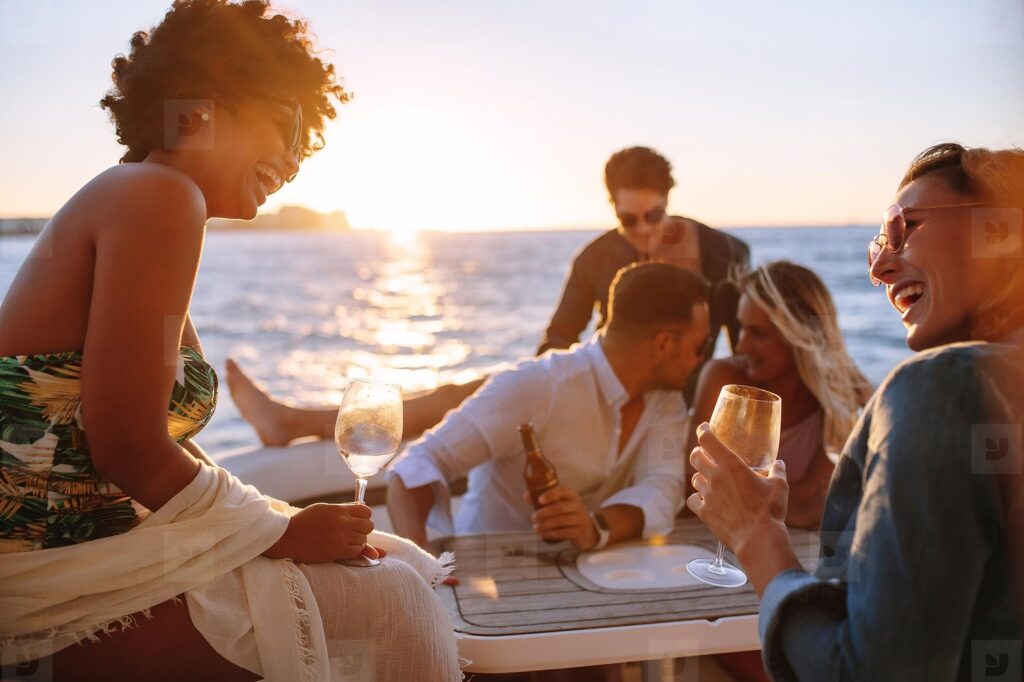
[799,305]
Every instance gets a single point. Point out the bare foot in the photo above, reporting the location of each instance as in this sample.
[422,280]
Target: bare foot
[267,416]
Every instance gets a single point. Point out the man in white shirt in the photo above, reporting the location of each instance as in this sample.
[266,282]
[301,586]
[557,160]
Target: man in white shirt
[608,413]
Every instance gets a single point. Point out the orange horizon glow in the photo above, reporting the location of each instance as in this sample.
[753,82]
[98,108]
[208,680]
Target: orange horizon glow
[477,117]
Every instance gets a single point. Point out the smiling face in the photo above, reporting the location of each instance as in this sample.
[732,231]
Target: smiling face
[765,353]
[639,202]
[933,282]
[252,157]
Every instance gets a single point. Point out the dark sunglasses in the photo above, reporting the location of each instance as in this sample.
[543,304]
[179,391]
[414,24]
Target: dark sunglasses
[652,217]
[893,233]
[293,132]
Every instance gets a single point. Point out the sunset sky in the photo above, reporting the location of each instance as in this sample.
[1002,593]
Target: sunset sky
[477,115]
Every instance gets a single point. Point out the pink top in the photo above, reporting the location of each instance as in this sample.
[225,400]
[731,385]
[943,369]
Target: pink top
[800,443]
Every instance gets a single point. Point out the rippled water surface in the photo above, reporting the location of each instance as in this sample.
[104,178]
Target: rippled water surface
[304,312]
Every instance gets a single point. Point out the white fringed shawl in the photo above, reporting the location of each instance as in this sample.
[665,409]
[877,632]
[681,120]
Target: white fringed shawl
[206,542]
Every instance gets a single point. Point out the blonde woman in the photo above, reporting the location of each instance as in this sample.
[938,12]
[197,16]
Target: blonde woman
[790,344]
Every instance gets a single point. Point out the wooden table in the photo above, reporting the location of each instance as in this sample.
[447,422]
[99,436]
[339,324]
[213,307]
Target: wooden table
[522,605]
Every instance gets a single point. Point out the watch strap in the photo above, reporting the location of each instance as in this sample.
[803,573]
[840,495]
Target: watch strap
[604,533]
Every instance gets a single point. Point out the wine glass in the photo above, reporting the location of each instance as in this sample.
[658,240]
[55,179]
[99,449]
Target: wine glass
[368,432]
[748,421]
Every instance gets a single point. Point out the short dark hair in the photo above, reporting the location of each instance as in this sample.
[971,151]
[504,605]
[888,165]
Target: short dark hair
[646,296]
[638,168]
[222,51]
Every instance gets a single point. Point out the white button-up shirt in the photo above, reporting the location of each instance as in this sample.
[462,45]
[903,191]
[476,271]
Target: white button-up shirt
[574,400]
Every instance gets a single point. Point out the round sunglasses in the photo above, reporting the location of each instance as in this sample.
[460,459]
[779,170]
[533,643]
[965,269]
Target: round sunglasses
[292,132]
[893,233]
[652,217]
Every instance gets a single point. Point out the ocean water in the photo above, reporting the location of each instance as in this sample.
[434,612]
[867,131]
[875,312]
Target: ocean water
[305,312]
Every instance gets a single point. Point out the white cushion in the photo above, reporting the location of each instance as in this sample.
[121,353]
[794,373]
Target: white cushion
[304,470]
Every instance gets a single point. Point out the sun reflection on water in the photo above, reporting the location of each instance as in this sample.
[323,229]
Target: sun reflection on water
[400,318]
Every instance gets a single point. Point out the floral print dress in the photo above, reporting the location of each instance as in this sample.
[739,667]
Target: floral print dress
[51,495]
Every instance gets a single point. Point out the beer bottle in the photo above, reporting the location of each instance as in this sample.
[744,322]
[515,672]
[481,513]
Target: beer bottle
[538,472]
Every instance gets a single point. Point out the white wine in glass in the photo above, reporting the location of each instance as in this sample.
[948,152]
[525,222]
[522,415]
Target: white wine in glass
[748,421]
[368,433]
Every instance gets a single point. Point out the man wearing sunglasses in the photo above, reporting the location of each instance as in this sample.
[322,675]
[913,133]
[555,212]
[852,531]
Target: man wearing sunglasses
[638,181]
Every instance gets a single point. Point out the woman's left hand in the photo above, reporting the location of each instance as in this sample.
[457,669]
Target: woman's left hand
[736,503]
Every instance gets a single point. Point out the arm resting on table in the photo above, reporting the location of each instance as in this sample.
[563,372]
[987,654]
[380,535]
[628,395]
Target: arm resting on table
[625,522]
[409,509]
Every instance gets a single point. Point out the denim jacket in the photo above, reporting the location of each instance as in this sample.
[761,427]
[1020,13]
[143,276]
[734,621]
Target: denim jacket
[914,580]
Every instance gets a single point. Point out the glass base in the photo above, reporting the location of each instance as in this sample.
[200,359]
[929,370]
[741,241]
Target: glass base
[360,562]
[725,575]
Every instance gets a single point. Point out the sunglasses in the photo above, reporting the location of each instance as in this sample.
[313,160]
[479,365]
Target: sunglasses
[652,217]
[893,234]
[293,131]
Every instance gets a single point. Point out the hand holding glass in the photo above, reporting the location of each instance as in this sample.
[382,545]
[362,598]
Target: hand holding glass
[748,421]
[368,433]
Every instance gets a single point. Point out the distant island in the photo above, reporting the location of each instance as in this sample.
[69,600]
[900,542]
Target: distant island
[16,226]
[287,218]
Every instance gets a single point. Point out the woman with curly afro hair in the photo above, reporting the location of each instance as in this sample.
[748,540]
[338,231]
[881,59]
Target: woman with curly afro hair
[116,531]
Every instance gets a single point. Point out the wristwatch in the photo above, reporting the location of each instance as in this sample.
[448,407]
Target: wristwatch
[604,532]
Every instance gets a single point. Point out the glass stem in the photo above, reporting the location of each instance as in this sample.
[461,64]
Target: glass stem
[717,567]
[361,493]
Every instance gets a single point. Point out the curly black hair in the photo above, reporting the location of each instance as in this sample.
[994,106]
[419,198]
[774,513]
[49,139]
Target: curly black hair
[221,51]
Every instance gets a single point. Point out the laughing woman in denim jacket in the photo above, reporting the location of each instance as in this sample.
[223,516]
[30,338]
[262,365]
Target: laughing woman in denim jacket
[920,571]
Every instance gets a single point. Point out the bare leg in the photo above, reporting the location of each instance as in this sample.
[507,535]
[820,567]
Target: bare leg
[271,419]
[426,410]
[164,648]
[277,424]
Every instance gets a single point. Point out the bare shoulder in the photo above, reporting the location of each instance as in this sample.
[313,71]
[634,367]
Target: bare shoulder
[722,371]
[144,198]
[713,376]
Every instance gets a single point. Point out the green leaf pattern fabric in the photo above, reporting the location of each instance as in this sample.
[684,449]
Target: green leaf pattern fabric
[50,493]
